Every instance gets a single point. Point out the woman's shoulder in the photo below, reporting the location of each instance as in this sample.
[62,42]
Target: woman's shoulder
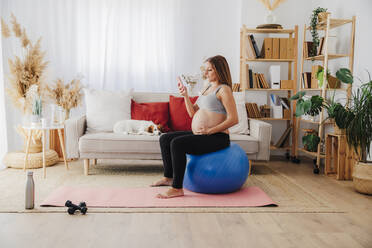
[225,89]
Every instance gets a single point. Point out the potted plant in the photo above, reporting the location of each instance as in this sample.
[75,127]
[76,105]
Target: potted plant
[310,140]
[358,123]
[314,20]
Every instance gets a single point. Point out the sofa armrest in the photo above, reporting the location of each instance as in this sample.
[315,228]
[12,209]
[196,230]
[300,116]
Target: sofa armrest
[261,131]
[74,129]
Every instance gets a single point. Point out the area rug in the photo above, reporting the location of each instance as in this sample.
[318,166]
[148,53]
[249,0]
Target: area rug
[145,198]
[289,194]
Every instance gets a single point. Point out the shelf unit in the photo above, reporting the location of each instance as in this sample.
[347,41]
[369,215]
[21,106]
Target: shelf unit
[292,75]
[330,23]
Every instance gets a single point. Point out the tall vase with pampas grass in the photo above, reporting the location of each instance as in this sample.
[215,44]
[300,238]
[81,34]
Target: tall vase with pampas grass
[24,83]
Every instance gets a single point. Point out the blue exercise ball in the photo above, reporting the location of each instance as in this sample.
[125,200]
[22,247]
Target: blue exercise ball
[219,172]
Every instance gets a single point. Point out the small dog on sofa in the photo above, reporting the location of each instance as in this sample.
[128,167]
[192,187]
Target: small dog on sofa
[137,127]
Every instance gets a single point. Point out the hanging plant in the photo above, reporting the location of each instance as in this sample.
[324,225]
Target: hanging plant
[314,31]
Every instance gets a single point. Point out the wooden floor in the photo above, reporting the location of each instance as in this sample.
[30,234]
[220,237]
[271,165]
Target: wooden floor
[351,229]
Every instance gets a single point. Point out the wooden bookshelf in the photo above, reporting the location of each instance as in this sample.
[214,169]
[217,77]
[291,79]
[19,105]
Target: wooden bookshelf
[330,56]
[290,61]
[333,23]
[325,26]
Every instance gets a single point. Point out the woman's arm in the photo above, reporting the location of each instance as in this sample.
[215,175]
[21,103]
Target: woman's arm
[191,109]
[227,99]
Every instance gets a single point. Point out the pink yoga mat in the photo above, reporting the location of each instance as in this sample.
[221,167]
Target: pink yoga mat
[145,198]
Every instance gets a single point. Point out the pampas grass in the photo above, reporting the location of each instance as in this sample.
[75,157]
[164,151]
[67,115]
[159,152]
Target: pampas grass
[26,70]
[68,96]
[273,6]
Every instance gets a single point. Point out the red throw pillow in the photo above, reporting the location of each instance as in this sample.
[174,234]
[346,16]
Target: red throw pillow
[157,112]
[179,118]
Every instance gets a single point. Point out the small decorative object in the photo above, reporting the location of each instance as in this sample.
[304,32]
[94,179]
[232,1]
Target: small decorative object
[310,140]
[270,18]
[313,29]
[66,96]
[30,191]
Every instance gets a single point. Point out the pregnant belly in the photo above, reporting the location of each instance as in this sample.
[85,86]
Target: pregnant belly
[206,119]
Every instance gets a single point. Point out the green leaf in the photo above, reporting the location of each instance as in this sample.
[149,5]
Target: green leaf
[297,96]
[345,76]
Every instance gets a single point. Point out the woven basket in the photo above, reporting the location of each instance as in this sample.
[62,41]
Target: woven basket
[35,160]
[362,177]
[34,147]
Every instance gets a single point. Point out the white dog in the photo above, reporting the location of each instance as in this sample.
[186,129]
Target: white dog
[137,127]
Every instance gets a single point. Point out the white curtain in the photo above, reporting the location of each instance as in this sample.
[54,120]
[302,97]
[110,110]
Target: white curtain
[3,124]
[112,44]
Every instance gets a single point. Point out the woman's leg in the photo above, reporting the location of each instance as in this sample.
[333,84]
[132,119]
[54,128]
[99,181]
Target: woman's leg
[165,140]
[191,144]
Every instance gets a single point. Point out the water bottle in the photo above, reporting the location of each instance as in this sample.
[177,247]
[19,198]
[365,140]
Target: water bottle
[30,191]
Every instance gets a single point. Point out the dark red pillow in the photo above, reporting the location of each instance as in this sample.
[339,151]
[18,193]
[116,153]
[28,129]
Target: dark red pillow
[157,112]
[179,118]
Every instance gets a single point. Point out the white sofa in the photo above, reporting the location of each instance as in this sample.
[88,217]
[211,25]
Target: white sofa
[109,145]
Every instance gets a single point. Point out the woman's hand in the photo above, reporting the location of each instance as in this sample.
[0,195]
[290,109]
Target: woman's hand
[204,131]
[181,88]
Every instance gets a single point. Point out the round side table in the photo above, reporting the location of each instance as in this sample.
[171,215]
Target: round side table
[44,129]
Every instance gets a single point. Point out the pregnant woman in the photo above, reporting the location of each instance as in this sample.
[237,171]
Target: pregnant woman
[213,113]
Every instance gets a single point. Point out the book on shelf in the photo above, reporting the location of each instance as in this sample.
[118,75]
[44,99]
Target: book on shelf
[251,54]
[267,48]
[285,136]
[255,47]
[321,46]
[250,78]
[308,45]
[283,43]
[276,48]
[306,80]
[252,110]
[314,79]
[236,87]
[284,101]
[291,48]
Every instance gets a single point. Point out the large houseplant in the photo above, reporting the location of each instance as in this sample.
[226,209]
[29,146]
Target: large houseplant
[358,124]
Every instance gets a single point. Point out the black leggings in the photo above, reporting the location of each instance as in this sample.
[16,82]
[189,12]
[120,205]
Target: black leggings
[175,145]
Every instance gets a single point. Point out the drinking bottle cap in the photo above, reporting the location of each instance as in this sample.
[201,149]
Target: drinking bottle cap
[30,173]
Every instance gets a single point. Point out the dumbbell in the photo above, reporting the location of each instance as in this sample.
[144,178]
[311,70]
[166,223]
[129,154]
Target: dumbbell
[72,207]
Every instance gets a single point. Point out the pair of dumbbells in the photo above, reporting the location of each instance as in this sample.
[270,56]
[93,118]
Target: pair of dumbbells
[72,208]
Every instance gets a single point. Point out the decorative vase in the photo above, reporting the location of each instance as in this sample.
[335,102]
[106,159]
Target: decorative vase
[362,177]
[270,18]
[35,119]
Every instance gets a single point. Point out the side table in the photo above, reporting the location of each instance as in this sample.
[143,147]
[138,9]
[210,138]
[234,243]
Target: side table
[44,130]
[340,157]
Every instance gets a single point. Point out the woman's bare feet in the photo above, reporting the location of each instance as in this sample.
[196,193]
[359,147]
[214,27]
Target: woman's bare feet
[165,181]
[170,193]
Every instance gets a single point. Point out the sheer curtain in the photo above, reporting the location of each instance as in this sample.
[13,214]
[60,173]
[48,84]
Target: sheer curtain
[112,44]
[3,125]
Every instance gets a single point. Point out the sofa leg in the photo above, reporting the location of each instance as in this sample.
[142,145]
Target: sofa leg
[94,161]
[86,167]
[250,167]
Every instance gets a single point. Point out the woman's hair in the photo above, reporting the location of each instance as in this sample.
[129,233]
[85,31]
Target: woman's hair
[222,68]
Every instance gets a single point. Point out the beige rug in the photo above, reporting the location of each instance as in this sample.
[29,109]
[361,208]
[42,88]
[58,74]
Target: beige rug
[290,196]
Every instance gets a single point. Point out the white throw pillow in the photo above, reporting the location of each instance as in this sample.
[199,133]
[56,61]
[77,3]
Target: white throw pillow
[242,126]
[105,108]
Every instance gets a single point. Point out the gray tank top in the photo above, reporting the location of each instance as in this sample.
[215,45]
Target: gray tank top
[211,102]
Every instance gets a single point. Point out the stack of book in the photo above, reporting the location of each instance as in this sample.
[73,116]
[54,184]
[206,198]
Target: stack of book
[309,79]
[236,87]
[256,80]
[308,46]
[265,111]
[252,51]
[252,110]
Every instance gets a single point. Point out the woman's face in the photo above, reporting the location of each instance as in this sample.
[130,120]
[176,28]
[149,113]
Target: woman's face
[211,73]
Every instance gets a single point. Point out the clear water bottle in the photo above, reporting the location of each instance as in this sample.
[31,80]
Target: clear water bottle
[30,191]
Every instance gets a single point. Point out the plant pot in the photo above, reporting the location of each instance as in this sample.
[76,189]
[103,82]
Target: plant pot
[339,131]
[35,119]
[322,17]
[34,147]
[362,177]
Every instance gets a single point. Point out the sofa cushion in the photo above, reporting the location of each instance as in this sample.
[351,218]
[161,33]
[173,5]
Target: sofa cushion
[157,112]
[121,143]
[248,143]
[118,143]
[105,108]
[242,126]
[179,118]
